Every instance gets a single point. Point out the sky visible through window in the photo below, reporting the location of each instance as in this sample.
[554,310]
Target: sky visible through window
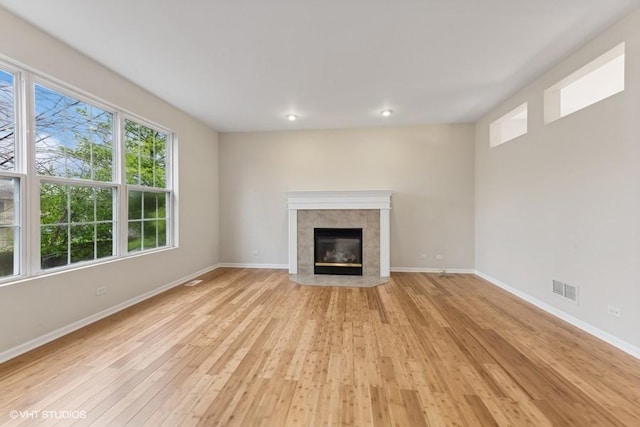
[7,119]
[73,139]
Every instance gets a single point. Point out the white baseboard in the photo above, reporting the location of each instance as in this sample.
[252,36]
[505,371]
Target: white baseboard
[46,338]
[393,269]
[432,270]
[254,265]
[598,333]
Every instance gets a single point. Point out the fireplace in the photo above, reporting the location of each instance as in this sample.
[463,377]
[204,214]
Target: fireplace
[338,251]
[369,210]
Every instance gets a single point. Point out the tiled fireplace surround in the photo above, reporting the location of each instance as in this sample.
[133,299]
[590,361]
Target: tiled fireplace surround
[369,210]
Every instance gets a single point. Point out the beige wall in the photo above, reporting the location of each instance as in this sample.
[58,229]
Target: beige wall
[35,307]
[563,201]
[429,168]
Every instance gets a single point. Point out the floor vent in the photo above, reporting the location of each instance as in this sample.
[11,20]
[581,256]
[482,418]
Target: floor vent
[569,292]
[193,282]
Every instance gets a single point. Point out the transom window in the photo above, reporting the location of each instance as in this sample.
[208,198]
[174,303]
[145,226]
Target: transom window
[599,79]
[510,126]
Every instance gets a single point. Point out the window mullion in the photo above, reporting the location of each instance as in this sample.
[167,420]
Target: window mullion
[68,225]
[121,225]
[32,187]
[20,161]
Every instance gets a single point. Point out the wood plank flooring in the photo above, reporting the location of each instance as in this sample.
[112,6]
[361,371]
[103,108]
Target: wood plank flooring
[251,348]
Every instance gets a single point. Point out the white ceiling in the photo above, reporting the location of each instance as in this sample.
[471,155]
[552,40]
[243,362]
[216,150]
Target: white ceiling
[242,65]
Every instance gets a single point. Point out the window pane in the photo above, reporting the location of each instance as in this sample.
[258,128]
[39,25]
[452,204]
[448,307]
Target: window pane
[599,79]
[105,240]
[9,229]
[160,159]
[162,205]
[82,243]
[7,245]
[150,205]
[135,204]
[104,204]
[149,233]
[7,122]
[73,139]
[510,126]
[102,151]
[53,204]
[77,223]
[8,208]
[162,232]
[132,152]
[53,246]
[135,236]
[82,204]
[146,152]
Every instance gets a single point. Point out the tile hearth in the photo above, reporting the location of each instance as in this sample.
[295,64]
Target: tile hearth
[339,281]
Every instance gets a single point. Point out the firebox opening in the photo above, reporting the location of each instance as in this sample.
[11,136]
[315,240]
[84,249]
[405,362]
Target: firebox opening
[338,251]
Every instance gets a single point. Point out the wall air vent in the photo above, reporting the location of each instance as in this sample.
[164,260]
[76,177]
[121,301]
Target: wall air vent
[558,288]
[565,290]
[571,292]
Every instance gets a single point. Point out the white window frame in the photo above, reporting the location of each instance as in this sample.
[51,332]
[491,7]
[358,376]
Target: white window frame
[28,199]
[19,173]
[133,187]
[38,180]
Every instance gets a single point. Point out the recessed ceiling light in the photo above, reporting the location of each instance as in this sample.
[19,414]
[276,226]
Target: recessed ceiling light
[386,113]
[292,117]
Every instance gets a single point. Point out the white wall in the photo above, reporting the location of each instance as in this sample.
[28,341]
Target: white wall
[32,308]
[429,168]
[563,201]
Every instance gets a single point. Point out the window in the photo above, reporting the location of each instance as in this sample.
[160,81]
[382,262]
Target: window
[74,159]
[7,121]
[76,224]
[147,220]
[10,179]
[600,79]
[146,155]
[9,227]
[510,126]
[86,185]
[73,139]
[146,175]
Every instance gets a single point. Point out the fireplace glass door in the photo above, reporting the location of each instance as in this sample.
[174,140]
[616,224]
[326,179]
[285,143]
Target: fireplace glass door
[338,251]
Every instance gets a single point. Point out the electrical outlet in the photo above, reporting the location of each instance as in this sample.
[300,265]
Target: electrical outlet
[255,252]
[614,311]
[101,290]
[439,257]
[422,256]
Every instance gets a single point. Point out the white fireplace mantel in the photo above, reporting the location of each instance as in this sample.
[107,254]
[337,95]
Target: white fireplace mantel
[343,200]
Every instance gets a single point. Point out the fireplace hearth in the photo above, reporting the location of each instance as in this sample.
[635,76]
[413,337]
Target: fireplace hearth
[338,251]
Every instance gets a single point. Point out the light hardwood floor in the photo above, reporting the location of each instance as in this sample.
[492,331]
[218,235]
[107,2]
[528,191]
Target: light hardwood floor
[249,348]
